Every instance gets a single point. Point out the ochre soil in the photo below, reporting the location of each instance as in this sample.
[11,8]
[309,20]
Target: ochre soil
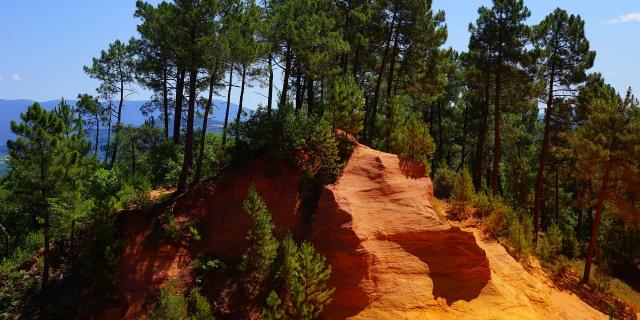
[393,256]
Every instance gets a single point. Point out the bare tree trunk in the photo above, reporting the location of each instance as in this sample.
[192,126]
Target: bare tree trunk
[203,132]
[285,81]
[270,95]
[188,143]
[482,137]
[376,94]
[463,143]
[310,95]
[118,124]
[226,114]
[244,75]
[108,146]
[299,93]
[495,173]
[44,285]
[97,119]
[165,103]
[595,229]
[542,160]
[177,116]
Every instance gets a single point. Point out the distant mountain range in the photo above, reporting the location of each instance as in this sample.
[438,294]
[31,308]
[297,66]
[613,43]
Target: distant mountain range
[131,114]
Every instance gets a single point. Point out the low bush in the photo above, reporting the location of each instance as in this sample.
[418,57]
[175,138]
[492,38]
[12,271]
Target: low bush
[463,187]
[171,304]
[443,181]
[520,235]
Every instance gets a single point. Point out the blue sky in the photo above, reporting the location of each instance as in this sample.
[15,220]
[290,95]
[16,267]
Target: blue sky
[46,43]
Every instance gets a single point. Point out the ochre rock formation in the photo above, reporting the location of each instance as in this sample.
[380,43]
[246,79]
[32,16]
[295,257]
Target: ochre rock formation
[393,256]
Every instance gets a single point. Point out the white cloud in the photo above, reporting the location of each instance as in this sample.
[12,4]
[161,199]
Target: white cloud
[1,77]
[15,77]
[629,17]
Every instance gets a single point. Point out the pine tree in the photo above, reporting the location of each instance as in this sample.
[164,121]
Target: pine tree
[115,70]
[91,108]
[310,291]
[43,161]
[257,260]
[607,146]
[564,56]
[502,32]
[346,100]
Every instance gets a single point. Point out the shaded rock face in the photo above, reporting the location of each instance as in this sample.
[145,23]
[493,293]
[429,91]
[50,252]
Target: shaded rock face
[216,210]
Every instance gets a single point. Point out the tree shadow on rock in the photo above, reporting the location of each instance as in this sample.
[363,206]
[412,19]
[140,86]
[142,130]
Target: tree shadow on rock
[458,267]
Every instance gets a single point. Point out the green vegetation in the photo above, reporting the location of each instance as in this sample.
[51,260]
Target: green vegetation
[565,187]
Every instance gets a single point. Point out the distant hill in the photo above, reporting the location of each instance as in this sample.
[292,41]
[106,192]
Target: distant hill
[131,114]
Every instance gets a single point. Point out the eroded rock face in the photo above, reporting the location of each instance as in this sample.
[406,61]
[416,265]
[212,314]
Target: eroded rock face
[393,257]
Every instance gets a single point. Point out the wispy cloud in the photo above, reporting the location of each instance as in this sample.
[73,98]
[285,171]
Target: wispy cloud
[1,77]
[625,18]
[15,77]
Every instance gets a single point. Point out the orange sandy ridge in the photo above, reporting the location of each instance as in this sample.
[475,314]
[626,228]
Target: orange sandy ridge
[392,256]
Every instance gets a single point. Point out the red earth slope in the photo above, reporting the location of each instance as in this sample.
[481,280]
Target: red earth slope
[393,256]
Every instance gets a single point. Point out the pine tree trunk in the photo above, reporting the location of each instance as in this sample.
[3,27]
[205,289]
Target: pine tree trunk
[463,143]
[226,113]
[118,120]
[97,119]
[557,195]
[177,116]
[495,173]
[203,132]
[542,160]
[285,81]
[595,229]
[321,96]
[581,195]
[237,126]
[310,95]
[392,66]
[188,143]
[440,134]
[482,137]
[44,286]
[108,146]
[133,155]
[270,95]
[374,105]
[298,86]
[165,103]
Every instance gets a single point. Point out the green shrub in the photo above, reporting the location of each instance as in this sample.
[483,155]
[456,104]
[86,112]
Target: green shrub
[570,246]
[309,141]
[404,133]
[520,235]
[443,181]
[346,100]
[554,236]
[463,187]
[171,304]
[274,309]
[194,234]
[493,223]
[170,228]
[199,307]
[543,249]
